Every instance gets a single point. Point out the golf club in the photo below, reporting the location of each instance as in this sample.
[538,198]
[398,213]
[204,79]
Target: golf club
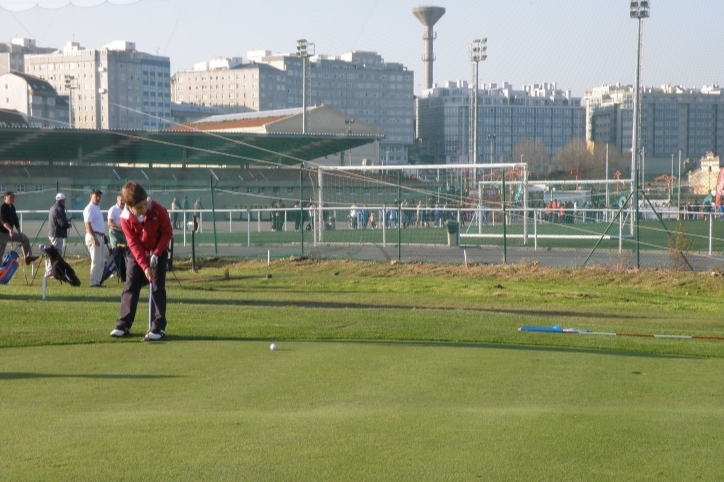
[150,305]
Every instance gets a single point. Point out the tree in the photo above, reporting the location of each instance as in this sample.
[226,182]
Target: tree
[534,154]
[588,160]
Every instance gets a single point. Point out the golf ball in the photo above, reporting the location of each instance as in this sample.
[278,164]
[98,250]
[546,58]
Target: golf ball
[273,346]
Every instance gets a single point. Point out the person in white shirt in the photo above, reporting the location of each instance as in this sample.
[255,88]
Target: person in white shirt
[95,229]
[115,232]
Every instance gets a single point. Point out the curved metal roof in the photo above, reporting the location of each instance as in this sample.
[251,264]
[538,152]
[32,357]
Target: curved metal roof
[166,147]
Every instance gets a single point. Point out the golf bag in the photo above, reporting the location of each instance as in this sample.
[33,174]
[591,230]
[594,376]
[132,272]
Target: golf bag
[8,268]
[60,269]
[116,263]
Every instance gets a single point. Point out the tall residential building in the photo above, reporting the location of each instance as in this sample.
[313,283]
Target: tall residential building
[114,87]
[506,117]
[12,54]
[232,86]
[673,119]
[34,98]
[358,83]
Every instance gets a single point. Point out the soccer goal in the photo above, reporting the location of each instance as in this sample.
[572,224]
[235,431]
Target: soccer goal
[420,204]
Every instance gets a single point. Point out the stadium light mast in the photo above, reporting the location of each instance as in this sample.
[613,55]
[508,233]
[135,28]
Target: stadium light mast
[304,50]
[639,10]
[477,52]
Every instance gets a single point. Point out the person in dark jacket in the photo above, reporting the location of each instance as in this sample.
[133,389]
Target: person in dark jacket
[9,221]
[58,225]
[148,231]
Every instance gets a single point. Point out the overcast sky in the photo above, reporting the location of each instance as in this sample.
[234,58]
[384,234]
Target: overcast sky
[575,43]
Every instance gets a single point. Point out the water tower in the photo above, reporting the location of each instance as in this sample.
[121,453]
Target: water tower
[429,17]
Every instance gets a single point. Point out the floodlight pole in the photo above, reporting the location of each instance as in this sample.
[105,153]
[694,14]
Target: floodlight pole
[304,49]
[476,53]
[639,10]
[678,199]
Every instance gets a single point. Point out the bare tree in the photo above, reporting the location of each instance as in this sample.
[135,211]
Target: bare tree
[574,157]
[616,162]
[588,160]
[533,153]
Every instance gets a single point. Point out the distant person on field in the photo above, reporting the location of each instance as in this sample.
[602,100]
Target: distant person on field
[115,231]
[148,231]
[95,233]
[198,206]
[58,225]
[175,206]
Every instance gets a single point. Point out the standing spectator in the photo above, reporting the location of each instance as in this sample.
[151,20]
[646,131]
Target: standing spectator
[8,221]
[115,231]
[95,230]
[58,225]
[296,216]
[363,216]
[353,212]
[148,230]
[198,206]
[393,216]
[176,207]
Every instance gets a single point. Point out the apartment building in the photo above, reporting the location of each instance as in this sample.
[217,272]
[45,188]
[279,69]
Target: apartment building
[12,54]
[506,117]
[358,83]
[673,119]
[114,87]
[232,86]
[34,98]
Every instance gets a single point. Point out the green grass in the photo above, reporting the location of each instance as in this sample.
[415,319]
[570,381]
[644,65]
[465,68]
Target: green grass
[383,372]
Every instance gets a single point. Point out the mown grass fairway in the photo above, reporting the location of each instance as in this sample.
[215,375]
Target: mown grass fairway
[407,372]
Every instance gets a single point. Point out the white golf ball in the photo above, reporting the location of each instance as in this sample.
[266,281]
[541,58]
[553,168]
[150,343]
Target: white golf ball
[273,346]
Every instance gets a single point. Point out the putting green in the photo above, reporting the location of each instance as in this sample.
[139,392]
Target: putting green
[209,409]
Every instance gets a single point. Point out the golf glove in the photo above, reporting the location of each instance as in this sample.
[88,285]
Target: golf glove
[154,261]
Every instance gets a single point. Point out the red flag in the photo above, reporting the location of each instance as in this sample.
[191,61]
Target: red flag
[719,187]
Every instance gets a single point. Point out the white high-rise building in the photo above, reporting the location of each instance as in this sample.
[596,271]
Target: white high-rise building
[673,119]
[114,87]
[506,117]
[359,84]
[34,98]
[12,54]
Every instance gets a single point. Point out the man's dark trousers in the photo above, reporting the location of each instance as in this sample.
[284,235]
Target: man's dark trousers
[135,281]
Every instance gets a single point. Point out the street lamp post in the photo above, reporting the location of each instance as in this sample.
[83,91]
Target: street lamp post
[349,123]
[638,11]
[70,84]
[476,53]
[491,138]
[304,50]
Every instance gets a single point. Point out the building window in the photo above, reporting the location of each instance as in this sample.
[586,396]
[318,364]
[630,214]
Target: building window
[38,187]
[20,188]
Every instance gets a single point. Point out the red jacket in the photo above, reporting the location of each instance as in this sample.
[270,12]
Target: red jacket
[152,236]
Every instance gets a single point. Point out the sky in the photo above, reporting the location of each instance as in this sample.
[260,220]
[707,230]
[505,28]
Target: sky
[577,44]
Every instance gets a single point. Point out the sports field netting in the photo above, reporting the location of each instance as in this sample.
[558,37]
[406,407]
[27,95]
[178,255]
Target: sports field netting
[409,213]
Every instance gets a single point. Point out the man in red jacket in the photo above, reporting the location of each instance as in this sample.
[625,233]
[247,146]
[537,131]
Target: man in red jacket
[147,227]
